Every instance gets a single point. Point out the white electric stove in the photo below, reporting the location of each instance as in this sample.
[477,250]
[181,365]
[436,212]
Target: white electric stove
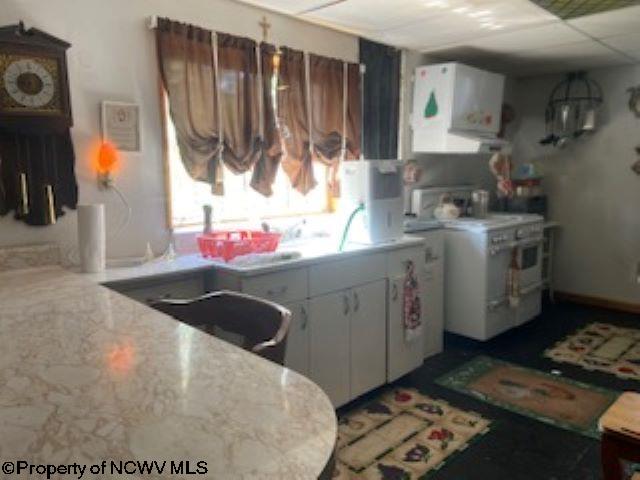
[478,255]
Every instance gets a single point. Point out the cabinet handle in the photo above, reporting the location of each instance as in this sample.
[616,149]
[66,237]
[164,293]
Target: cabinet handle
[272,292]
[356,301]
[305,318]
[346,307]
[394,292]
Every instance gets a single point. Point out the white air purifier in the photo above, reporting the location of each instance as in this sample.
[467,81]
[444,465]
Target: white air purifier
[376,185]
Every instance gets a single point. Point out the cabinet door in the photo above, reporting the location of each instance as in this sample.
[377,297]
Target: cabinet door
[403,356]
[297,354]
[329,345]
[368,337]
[433,305]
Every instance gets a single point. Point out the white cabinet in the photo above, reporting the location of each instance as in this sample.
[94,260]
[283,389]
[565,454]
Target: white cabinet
[433,305]
[368,337]
[298,341]
[329,346]
[403,356]
[340,334]
[347,341]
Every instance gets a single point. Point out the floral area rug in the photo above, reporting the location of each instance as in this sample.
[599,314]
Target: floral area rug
[603,347]
[402,435]
[555,400]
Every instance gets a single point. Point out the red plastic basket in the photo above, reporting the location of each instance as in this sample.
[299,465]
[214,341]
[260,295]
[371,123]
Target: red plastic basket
[233,243]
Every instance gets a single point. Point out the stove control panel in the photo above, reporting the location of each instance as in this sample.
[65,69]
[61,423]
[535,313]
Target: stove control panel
[531,231]
[499,238]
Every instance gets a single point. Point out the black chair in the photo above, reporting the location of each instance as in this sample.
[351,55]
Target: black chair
[260,325]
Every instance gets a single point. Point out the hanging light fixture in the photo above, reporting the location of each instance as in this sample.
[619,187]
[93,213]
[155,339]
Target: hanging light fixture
[571,109]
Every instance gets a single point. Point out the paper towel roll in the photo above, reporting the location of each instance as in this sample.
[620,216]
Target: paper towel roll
[91,237]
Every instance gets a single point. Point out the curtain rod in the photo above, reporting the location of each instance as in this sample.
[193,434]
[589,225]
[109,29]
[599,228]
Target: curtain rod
[152,22]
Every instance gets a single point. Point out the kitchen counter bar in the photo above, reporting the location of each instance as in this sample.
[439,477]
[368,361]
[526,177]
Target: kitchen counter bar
[89,375]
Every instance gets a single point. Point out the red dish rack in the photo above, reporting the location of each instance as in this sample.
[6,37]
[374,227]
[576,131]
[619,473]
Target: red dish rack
[233,243]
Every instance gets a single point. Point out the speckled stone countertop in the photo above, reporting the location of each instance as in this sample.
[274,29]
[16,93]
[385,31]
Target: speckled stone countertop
[88,375]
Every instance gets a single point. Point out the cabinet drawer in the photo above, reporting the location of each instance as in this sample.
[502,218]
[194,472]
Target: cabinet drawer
[279,287]
[397,260]
[342,274]
[434,246]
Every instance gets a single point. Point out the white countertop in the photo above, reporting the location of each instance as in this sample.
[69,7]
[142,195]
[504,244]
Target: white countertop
[311,253]
[89,375]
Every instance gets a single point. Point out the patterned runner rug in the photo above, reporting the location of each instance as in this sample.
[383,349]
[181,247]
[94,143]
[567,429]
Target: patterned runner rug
[603,347]
[402,435]
[559,401]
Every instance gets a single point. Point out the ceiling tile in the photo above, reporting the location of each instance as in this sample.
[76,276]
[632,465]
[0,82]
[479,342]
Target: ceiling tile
[430,23]
[630,44]
[578,8]
[617,22]
[292,7]
[543,36]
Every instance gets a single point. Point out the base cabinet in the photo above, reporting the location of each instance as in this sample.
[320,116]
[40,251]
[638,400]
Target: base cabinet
[329,345]
[433,301]
[299,338]
[346,332]
[368,337]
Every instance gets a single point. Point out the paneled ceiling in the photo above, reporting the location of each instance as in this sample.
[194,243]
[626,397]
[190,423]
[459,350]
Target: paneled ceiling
[518,37]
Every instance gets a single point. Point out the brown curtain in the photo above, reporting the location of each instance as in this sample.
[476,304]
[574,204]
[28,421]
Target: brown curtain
[185,55]
[326,79]
[294,120]
[266,168]
[187,66]
[239,96]
[354,112]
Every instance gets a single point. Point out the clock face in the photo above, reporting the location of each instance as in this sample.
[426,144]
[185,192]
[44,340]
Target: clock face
[29,84]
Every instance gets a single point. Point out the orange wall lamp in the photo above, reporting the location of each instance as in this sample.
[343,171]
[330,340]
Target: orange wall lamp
[108,158]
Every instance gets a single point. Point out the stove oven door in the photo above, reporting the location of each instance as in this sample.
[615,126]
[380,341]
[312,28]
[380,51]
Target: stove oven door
[500,316]
[530,261]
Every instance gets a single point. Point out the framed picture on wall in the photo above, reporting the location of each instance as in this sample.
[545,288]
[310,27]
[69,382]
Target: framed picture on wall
[121,125]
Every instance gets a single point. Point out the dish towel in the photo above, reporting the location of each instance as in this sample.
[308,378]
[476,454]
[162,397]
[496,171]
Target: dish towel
[412,311]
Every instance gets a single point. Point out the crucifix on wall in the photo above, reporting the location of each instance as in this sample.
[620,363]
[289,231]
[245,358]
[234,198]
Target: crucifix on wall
[265,25]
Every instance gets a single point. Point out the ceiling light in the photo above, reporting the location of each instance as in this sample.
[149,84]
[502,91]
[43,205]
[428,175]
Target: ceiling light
[461,9]
[495,27]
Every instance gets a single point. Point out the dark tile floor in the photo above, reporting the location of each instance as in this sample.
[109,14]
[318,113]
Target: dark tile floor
[519,447]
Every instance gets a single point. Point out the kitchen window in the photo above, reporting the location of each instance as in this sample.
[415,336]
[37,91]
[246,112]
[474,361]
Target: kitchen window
[240,203]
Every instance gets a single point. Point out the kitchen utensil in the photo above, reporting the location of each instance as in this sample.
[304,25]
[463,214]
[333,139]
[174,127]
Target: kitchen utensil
[589,122]
[549,136]
[480,203]
[446,209]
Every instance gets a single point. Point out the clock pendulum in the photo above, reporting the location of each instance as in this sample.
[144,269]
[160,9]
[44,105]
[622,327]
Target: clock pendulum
[22,209]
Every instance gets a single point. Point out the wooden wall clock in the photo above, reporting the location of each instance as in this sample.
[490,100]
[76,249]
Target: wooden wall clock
[34,85]
[37,162]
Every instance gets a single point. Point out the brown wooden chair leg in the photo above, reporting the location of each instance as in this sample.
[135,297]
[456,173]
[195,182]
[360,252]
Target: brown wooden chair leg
[615,449]
[611,467]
